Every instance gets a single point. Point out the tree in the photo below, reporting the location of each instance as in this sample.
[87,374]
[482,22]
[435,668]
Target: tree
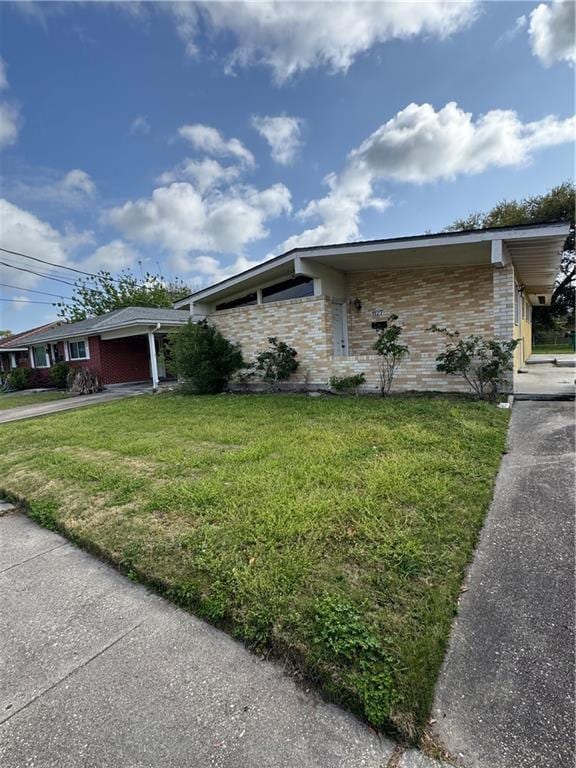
[390,353]
[553,206]
[203,358]
[94,296]
[5,333]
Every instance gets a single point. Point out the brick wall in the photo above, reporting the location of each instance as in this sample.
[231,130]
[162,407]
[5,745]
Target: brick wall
[459,298]
[124,360]
[302,323]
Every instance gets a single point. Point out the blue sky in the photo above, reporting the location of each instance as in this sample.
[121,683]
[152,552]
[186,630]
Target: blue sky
[201,139]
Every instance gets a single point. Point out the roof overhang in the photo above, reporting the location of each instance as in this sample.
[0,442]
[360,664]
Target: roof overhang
[535,251]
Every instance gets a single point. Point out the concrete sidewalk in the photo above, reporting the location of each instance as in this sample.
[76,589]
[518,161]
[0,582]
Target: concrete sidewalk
[45,409]
[505,697]
[97,671]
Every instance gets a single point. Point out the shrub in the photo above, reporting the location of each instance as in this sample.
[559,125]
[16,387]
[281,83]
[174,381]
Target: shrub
[277,363]
[18,378]
[343,383]
[59,375]
[483,364]
[203,358]
[82,381]
[390,352]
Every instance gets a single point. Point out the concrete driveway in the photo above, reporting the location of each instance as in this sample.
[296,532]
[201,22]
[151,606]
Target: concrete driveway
[505,698]
[97,671]
[45,409]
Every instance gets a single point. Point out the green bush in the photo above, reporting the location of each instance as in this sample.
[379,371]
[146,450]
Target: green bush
[485,364]
[59,375]
[277,363]
[203,358]
[343,383]
[18,378]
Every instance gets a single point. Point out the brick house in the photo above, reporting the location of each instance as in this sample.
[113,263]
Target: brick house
[327,301]
[126,345]
[14,351]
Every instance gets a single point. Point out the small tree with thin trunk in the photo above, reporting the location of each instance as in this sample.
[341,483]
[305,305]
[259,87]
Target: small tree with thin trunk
[390,353]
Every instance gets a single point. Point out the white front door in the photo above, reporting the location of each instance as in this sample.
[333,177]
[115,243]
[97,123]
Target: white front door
[339,329]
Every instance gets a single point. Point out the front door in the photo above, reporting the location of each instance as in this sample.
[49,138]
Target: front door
[339,329]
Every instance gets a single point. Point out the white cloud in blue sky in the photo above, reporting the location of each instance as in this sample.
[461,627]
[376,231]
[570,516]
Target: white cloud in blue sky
[552,33]
[283,134]
[292,37]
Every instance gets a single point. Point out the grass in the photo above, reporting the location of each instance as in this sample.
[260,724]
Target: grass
[552,349]
[18,399]
[334,531]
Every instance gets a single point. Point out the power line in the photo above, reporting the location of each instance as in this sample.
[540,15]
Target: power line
[54,264]
[39,274]
[34,290]
[26,301]
[51,263]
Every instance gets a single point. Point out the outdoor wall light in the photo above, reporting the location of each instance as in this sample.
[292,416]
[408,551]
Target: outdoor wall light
[357,304]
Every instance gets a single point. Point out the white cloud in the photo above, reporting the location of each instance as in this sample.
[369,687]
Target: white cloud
[204,174]
[9,114]
[510,34]
[20,303]
[9,121]
[3,76]
[282,134]
[140,125]
[78,180]
[210,270]
[113,256]
[22,231]
[421,145]
[180,220]
[552,32]
[73,190]
[205,138]
[291,37]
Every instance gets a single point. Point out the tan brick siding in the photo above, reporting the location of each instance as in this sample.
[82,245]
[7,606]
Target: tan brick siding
[459,298]
[302,323]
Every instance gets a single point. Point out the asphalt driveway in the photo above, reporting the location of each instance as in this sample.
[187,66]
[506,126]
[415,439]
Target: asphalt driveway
[97,671]
[505,697]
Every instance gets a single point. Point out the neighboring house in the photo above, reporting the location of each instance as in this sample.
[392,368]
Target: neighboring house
[327,301]
[121,346]
[13,349]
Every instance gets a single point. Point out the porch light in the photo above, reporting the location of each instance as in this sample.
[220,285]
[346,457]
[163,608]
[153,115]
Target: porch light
[357,304]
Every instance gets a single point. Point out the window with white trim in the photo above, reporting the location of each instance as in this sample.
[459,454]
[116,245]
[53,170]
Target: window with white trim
[78,350]
[40,356]
[517,300]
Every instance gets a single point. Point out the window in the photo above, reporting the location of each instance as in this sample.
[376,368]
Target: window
[243,301]
[295,288]
[40,356]
[517,300]
[78,350]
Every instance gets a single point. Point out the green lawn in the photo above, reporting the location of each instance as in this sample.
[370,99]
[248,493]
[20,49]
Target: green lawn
[551,349]
[333,532]
[18,399]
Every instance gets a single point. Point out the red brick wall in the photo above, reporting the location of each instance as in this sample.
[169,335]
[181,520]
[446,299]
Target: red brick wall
[123,360]
[116,361]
